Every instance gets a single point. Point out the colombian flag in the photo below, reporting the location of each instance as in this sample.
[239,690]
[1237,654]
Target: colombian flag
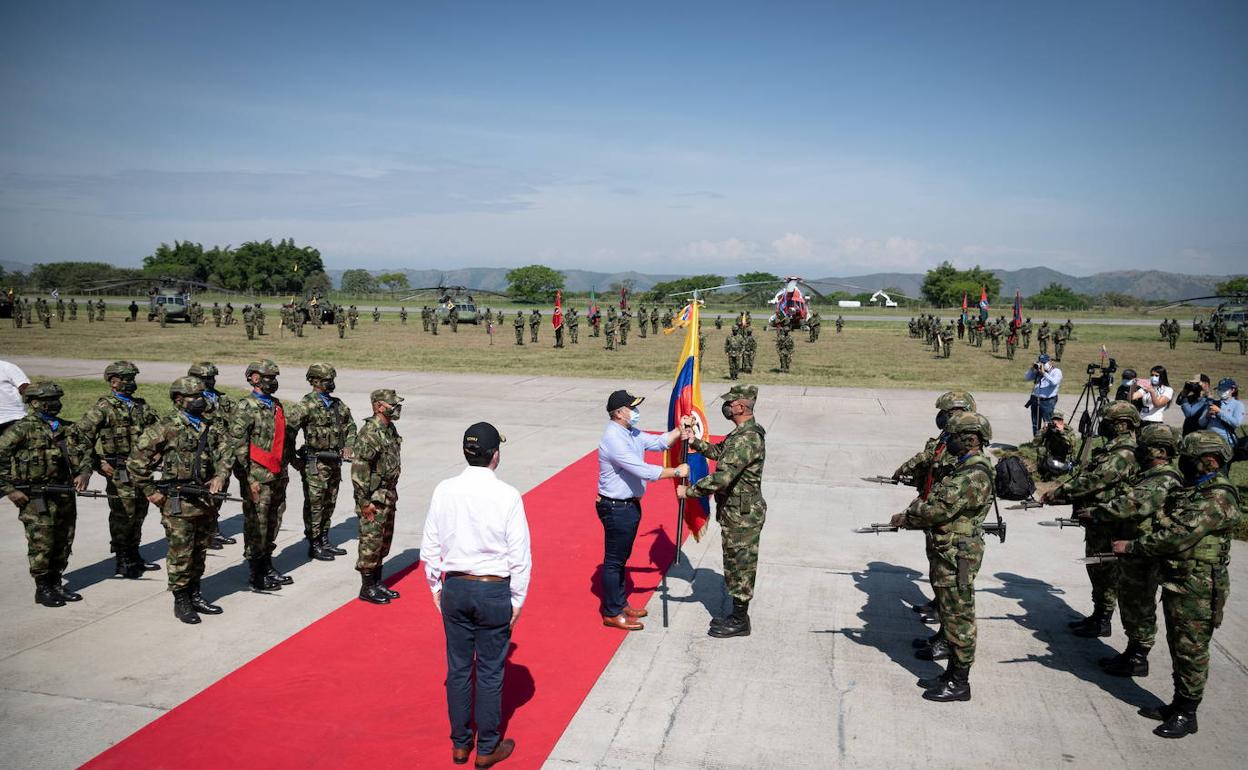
[687,399]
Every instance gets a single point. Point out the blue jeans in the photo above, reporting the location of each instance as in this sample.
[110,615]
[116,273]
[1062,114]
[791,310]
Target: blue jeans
[1041,412]
[476,617]
[620,519]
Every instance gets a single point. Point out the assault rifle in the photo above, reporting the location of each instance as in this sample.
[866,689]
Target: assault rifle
[311,457]
[36,493]
[907,480]
[996,529]
[1061,523]
[175,491]
[1025,505]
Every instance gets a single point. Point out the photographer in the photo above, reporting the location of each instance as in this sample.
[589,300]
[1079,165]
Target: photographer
[1057,445]
[1194,400]
[1151,396]
[1225,412]
[1047,379]
[1124,388]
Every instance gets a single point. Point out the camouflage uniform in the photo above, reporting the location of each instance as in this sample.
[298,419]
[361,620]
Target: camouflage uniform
[519,327]
[654,320]
[732,347]
[1130,515]
[574,325]
[216,314]
[1056,448]
[740,508]
[953,512]
[263,447]
[609,331]
[259,318]
[328,436]
[1105,477]
[1192,539]
[403,316]
[535,320]
[812,322]
[1025,331]
[112,427]
[73,309]
[784,349]
[1042,337]
[1059,342]
[193,450]
[221,409]
[100,309]
[249,321]
[749,349]
[643,321]
[375,477]
[946,341]
[36,450]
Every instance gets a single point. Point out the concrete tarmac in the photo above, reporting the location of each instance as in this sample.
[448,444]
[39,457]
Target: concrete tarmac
[825,680]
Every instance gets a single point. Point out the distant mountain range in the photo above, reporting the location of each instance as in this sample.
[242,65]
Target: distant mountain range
[1145,284]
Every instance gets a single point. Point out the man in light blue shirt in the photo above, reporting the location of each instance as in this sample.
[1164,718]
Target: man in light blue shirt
[1047,378]
[1225,412]
[622,477]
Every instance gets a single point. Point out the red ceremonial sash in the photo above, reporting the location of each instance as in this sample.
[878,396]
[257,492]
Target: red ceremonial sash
[927,485]
[271,458]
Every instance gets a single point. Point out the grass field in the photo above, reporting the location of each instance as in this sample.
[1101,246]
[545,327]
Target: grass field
[867,354]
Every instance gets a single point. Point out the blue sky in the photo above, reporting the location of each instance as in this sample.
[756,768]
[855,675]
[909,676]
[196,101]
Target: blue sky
[812,138]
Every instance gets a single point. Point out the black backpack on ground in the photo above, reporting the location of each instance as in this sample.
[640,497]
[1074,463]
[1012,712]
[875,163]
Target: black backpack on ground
[1013,482]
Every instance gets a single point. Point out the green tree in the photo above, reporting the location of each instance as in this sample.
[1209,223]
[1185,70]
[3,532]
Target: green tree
[660,291]
[534,283]
[318,283]
[944,285]
[393,281]
[183,260]
[1235,285]
[358,282]
[1057,297]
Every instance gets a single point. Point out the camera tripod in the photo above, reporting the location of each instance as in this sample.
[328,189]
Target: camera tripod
[1093,399]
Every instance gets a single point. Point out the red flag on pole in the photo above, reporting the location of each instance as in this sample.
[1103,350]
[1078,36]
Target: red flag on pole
[623,298]
[1018,309]
[556,320]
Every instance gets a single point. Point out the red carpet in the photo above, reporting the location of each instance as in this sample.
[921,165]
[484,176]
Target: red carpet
[363,686]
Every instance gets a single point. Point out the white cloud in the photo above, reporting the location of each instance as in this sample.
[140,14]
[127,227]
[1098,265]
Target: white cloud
[793,246]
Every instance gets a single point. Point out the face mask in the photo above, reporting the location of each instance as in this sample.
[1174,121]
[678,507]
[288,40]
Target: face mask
[957,445]
[726,410]
[634,417]
[1190,468]
[195,406]
[1227,395]
[393,412]
[1155,380]
[210,383]
[942,419]
[328,385]
[268,385]
[127,387]
[50,408]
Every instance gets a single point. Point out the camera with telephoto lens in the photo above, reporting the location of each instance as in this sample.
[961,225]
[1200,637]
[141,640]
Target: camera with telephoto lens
[1102,375]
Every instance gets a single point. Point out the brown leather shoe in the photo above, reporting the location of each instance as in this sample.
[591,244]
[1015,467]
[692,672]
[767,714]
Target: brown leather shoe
[505,747]
[636,612]
[460,756]
[622,622]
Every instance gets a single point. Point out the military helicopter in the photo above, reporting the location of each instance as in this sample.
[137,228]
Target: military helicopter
[792,299]
[447,297]
[173,293]
[1233,310]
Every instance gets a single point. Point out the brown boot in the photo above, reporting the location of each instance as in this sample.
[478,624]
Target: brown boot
[505,747]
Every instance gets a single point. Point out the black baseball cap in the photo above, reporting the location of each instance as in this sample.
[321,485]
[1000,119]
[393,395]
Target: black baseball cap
[622,398]
[481,439]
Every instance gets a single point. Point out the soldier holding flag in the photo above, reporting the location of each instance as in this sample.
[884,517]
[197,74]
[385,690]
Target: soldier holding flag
[556,320]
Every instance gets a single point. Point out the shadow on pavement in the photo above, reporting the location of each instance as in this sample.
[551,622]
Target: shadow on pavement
[518,688]
[707,584]
[1045,614]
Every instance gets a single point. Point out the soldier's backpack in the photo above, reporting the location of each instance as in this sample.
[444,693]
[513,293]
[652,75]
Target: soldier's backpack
[1013,482]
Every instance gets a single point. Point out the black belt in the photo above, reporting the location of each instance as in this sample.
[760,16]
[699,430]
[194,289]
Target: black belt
[613,500]
[1046,398]
[481,578]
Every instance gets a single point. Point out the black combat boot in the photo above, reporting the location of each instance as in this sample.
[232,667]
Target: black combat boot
[54,580]
[393,594]
[273,573]
[955,685]
[928,683]
[1181,719]
[736,624]
[317,551]
[260,579]
[201,604]
[45,594]
[219,540]
[370,591]
[182,609]
[1098,625]
[937,650]
[930,617]
[335,550]
[919,642]
[124,567]
[924,608]
[136,558]
[1132,662]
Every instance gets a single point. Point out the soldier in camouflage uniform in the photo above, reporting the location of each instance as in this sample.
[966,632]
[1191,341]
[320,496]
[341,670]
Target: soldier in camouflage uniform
[1131,517]
[353,316]
[100,309]
[328,435]
[112,428]
[264,448]
[1059,342]
[1056,446]
[403,316]
[249,321]
[609,330]
[340,319]
[952,514]
[574,325]
[259,316]
[749,349]
[784,348]
[73,309]
[518,324]
[227,316]
[924,469]
[216,314]
[43,449]
[192,448]
[535,320]
[221,408]
[375,476]
[1042,337]
[1191,538]
[643,321]
[946,341]
[733,346]
[654,320]
[1025,331]
[737,485]
[1106,476]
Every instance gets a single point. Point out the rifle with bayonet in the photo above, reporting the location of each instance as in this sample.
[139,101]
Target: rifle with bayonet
[175,491]
[996,529]
[1061,523]
[1026,505]
[1101,558]
[36,493]
[906,480]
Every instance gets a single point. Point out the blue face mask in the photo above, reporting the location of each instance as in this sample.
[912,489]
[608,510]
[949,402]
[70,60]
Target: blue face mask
[634,417]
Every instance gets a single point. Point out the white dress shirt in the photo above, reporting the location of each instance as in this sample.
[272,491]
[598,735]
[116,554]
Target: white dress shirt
[476,524]
[11,379]
[622,468]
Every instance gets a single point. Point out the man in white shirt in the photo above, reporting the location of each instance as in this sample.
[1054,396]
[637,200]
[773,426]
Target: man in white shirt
[13,382]
[477,562]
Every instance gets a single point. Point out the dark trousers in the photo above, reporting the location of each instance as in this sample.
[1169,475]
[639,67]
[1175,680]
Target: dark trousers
[620,519]
[476,617]
[1041,412]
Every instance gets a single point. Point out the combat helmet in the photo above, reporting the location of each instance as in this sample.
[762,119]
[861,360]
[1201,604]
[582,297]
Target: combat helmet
[321,371]
[203,369]
[265,368]
[956,399]
[1122,411]
[1159,435]
[186,386]
[970,422]
[123,369]
[42,391]
[1199,443]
